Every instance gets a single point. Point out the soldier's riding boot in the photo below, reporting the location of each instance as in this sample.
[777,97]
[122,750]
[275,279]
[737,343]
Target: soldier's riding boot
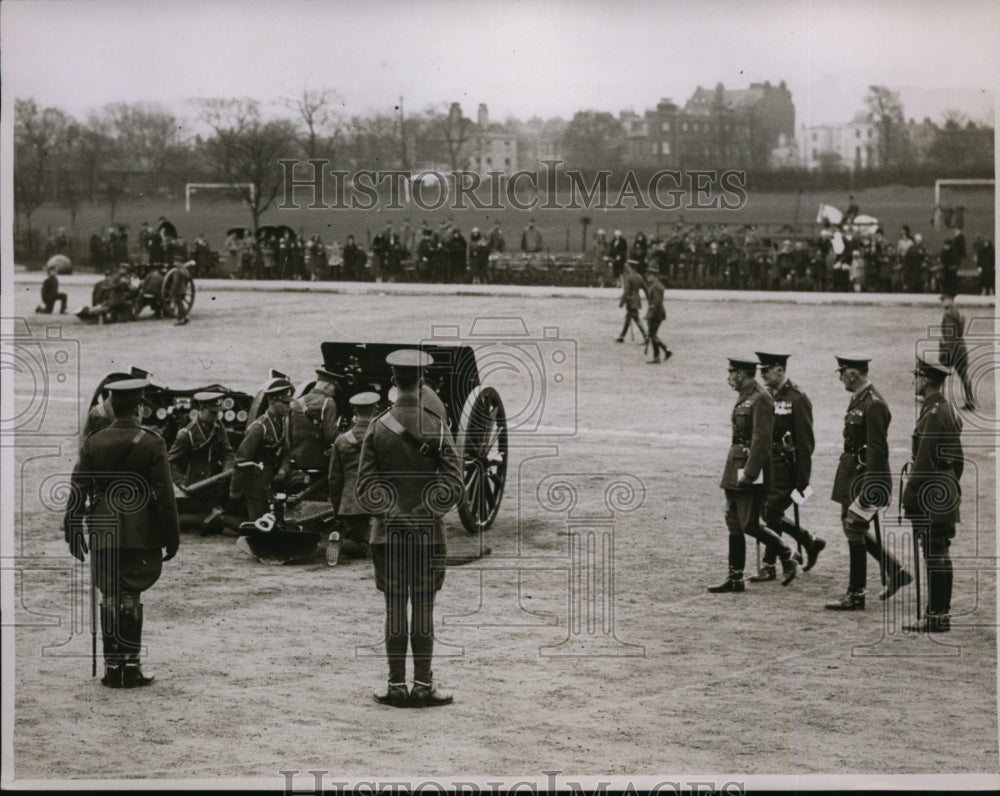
[810,544]
[937,617]
[895,576]
[854,600]
[737,558]
[114,662]
[131,642]
[776,549]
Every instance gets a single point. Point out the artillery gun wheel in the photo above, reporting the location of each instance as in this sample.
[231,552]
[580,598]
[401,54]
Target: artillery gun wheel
[167,300]
[482,445]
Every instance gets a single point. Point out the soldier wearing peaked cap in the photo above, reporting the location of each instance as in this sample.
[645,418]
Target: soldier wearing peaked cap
[123,501]
[343,477]
[101,415]
[932,493]
[745,476]
[792,445]
[262,459]
[656,314]
[314,423]
[631,300]
[863,483]
[409,476]
[202,449]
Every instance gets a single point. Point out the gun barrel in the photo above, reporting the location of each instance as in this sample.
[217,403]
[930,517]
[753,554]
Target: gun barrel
[198,486]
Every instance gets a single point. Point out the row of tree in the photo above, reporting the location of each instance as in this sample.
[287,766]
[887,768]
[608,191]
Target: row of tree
[139,149]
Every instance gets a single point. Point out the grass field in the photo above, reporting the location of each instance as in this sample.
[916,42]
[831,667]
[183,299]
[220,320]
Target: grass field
[561,229]
[263,669]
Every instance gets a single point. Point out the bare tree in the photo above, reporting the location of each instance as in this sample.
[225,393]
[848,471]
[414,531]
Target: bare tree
[323,128]
[885,111]
[37,137]
[594,140]
[445,135]
[246,148]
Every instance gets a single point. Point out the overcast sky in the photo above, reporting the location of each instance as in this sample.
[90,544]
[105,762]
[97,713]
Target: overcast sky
[546,57]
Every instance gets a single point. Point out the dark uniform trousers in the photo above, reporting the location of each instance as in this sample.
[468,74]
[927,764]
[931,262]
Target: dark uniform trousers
[752,423]
[863,474]
[932,496]
[407,492]
[791,461]
[131,517]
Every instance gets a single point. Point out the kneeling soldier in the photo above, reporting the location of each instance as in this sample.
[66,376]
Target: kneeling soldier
[343,477]
[744,478]
[201,450]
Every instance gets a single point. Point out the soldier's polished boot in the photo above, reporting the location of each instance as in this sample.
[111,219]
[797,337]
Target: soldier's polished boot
[114,662]
[931,623]
[789,569]
[734,583]
[396,695]
[426,695]
[765,573]
[131,642]
[851,601]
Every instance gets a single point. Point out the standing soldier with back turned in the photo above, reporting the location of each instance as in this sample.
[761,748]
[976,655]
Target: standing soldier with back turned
[410,475]
[343,477]
[130,517]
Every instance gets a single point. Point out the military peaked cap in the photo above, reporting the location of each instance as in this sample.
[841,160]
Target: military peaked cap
[409,358]
[932,368]
[856,361]
[208,399]
[278,388]
[769,360]
[324,375]
[742,363]
[364,399]
[127,386]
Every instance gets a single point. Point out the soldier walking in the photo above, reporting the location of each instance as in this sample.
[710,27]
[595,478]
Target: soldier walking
[932,493]
[123,501]
[863,483]
[655,313]
[409,477]
[745,476]
[792,445]
[631,300]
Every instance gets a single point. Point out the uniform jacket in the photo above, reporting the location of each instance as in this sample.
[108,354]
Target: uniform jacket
[793,415]
[313,425]
[343,476]
[952,340]
[753,420]
[124,470]
[100,416]
[863,471]
[631,296]
[200,452]
[396,480]
[932,488]
[618,250]
[265,441]
[654,298]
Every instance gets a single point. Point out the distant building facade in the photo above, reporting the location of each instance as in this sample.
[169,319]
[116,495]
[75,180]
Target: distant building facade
[837,147]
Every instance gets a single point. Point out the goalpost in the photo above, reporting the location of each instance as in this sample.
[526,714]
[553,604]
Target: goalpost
[191,187]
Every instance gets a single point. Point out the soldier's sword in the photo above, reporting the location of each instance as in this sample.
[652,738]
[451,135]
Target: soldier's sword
[798,529]
[916,569]
[881,549]
[93,610]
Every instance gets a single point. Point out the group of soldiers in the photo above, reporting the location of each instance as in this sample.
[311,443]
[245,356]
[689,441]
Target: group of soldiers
[122,293]
[768,471]
[707,256]
[390,480]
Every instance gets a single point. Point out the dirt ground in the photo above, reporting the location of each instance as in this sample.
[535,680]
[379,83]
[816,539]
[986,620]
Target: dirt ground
[586,643]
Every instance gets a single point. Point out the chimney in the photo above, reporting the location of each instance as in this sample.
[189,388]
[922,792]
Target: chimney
[483,116]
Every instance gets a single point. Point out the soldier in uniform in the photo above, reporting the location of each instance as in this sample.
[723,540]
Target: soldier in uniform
[101,415]
[952,351]
[314,424]
[792,445]
[655,313]
[129,518]
[863,483]
[262,459]
[618,252]
[343,477]
[632,300]
[409,476]
[178,290]
[745,476]
[202,449]
[932,493]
